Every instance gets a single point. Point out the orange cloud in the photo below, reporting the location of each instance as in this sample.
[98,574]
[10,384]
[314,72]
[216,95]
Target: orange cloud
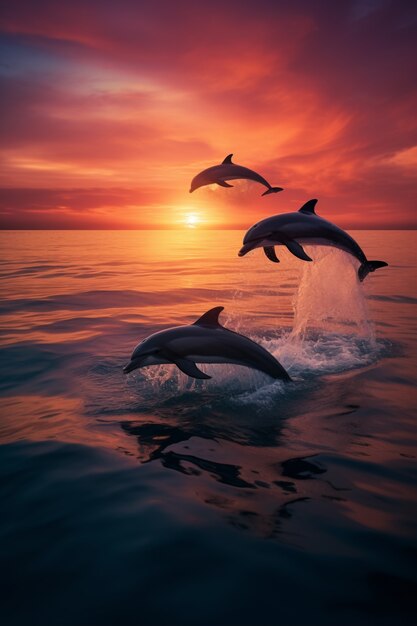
[319,97]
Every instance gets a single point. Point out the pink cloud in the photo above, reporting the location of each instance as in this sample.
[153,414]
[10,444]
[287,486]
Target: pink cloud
[320,97]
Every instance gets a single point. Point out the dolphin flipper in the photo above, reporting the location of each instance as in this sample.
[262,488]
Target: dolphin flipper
[297,250]
[185,365]
[189,367]
[270,254]
[223,183]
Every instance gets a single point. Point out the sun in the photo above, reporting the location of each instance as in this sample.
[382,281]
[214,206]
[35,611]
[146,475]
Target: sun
[192,220]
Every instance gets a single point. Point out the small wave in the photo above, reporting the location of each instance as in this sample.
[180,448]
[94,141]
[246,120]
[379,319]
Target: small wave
[396,299]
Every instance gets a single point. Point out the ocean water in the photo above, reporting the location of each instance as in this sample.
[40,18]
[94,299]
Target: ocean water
[154,499]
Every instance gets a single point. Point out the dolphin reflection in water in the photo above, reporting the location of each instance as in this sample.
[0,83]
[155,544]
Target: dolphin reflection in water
[205,341]
[293,229]
[219,174]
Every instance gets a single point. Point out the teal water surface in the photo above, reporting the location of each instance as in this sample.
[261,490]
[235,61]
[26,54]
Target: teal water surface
[156,499]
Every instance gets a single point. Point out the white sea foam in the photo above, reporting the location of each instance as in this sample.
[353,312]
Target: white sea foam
[332,333]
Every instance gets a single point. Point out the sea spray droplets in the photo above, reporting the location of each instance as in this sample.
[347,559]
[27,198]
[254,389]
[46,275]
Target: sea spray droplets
[319,353]
[331,334]
[330,296]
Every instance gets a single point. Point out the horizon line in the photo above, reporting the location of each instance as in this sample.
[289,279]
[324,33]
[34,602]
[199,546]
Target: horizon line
[183,229]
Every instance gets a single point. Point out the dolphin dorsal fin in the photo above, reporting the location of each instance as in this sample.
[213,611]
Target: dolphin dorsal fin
[228,159]
[211,318]
[308,207]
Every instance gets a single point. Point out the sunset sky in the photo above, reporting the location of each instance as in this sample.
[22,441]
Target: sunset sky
[110,108]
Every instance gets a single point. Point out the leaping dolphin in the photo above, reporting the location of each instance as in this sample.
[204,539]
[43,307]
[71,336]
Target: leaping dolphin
[293,229]
[227,170]
[205,341]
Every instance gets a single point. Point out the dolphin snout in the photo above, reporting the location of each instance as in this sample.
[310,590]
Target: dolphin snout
[247,247]
[132,365]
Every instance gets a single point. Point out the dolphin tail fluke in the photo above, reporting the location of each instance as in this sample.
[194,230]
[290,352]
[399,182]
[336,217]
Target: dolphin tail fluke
[369,266]
[272,190]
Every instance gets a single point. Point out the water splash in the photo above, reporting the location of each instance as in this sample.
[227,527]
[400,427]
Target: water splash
[332,330]
[331,333]
[330,296]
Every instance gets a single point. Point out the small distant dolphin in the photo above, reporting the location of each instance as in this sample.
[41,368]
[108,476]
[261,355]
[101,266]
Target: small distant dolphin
[205,341]
[304,226]
[229,171]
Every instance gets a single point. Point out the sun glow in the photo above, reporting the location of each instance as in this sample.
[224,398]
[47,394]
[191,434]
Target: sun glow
[192,220]
[194,217]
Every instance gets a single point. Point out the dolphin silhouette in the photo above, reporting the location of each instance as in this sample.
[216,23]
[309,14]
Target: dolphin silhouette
[304,226]
[227,170]
[205,341]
